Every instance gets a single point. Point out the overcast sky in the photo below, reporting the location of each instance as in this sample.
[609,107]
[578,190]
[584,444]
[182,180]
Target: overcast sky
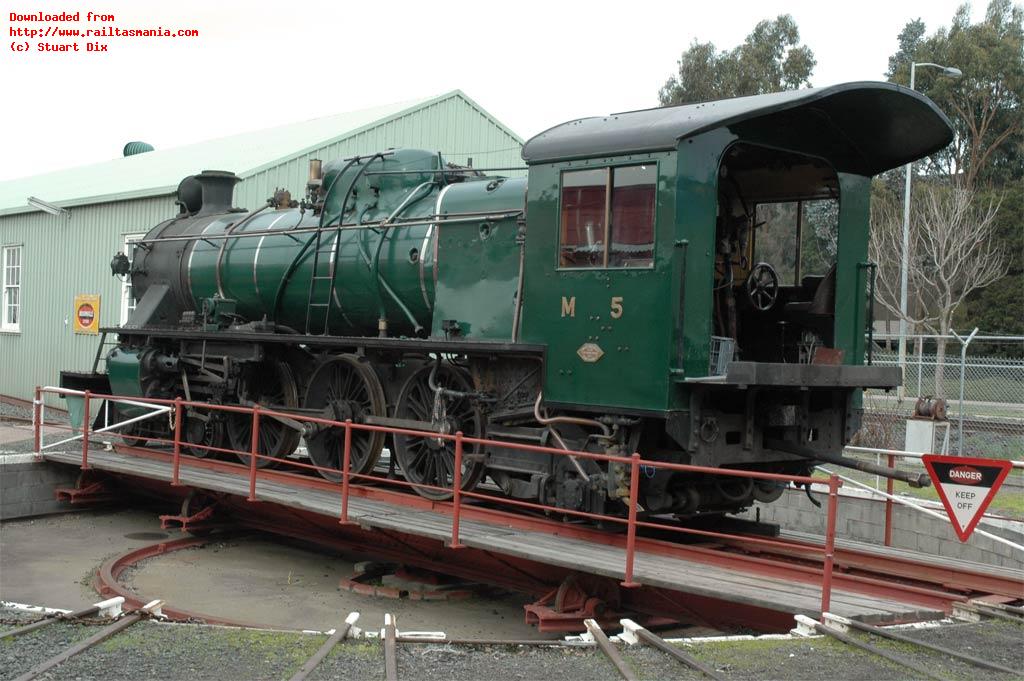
[259,64]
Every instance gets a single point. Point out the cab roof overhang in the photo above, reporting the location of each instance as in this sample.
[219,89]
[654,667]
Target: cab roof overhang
[870,126]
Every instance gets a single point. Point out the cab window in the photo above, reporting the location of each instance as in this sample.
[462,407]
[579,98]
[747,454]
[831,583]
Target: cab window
[798,238]
[607,217]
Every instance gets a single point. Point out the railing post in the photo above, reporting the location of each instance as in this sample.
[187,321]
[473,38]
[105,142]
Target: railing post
[175,482]
[634,491]
[253,451]
[830,543]
[37,426]
[85,431]
[888,504]
[457,492]
[346,463]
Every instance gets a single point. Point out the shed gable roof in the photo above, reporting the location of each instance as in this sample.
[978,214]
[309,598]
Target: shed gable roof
[159,172]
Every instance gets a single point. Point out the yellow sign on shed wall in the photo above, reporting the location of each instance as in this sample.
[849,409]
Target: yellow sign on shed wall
[87,313]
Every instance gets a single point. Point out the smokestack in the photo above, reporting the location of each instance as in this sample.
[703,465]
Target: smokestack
[218,187]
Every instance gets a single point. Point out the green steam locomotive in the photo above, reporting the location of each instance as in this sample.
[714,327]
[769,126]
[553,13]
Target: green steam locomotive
[687,282]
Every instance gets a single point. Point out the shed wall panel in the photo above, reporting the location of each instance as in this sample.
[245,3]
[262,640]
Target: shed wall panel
[63,257]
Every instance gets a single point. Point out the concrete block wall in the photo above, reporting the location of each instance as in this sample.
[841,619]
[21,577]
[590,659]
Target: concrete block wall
[26,486]
[862,519]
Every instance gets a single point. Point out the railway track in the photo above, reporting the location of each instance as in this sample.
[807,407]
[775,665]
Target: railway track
[112,608]
[633,634]
[922,657]
[841,629]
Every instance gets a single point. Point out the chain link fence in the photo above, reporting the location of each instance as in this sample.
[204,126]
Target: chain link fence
[990,374]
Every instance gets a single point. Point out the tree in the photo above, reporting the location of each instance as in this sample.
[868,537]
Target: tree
[987,155]
[769,60]
[985,103]
[910,41]
[952,254]
[997,309]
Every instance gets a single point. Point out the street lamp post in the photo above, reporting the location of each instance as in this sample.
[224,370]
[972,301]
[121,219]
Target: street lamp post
[950,72]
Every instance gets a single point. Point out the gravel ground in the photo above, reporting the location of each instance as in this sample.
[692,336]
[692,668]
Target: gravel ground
[508,663]
[192,652]
[157,651]
[9,619]
[26,446]
[19,654]
[8,409]
[1001,642]
[16,436]
[24,412]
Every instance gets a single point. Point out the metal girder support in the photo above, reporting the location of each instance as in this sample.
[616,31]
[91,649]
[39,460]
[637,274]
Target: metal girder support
[86,493]
[197,522]
[577,599]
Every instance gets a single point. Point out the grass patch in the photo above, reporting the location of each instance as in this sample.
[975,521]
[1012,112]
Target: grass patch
[1007,501]
[274,646]
[369,650]
[755,654]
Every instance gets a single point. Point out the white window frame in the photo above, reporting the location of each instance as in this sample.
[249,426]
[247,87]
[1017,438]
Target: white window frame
[11,283]
[127,298]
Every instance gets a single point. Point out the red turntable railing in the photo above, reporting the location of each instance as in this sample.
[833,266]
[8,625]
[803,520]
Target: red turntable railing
[175,408]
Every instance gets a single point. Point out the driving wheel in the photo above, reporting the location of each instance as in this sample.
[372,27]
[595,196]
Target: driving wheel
[271,385]
[431,460]
[203,434]
[345,387]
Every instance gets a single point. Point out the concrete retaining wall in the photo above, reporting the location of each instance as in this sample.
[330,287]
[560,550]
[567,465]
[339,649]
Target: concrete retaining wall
[26,486]
[862,519]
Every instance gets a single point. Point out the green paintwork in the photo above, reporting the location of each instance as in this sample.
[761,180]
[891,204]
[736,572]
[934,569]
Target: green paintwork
[696,210]
[393,276]
[125,373]
[478,262]
[76,411]
[271,276]
[632,373]
[667,322]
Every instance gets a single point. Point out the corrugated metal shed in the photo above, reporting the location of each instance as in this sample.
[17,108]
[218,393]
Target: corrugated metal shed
[439,122]
[65,256]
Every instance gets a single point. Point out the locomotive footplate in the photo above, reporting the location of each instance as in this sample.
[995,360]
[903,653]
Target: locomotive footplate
[477,347]
[743,374]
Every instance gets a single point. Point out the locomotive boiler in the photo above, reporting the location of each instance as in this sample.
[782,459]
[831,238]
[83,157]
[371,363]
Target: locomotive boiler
[687,282]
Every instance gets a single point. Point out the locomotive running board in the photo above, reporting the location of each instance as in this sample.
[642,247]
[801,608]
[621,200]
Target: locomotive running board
[810,375]
[480,347]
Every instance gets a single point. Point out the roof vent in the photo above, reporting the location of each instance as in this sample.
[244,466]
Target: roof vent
[133,148]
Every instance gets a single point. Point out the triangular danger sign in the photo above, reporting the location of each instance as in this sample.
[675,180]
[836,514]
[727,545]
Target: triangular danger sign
[966,487]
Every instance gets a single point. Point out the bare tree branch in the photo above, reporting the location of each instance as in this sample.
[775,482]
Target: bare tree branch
[952,253]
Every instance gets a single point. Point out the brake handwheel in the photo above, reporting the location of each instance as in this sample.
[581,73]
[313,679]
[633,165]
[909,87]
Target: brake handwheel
[763,287]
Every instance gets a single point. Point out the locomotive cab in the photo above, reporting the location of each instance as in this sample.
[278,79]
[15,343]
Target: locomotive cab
[704,269]
[776,243]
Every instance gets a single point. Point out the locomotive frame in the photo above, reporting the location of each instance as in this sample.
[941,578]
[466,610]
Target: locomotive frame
[408,292]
